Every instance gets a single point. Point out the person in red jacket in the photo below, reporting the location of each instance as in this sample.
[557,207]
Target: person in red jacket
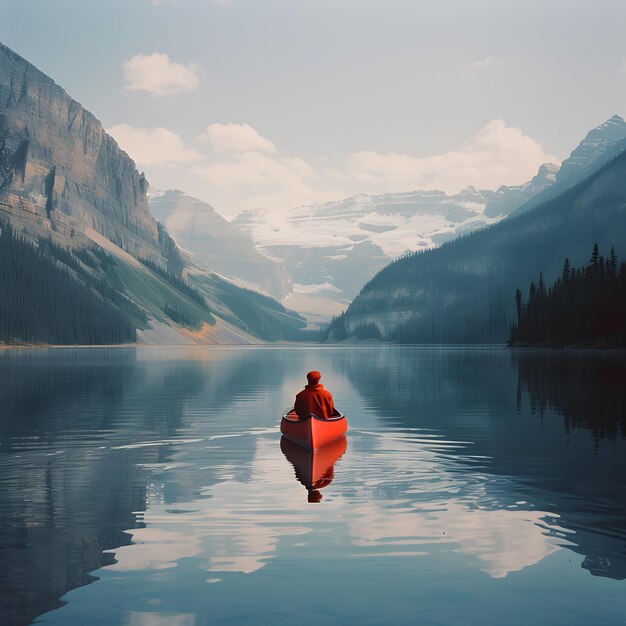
[314,399]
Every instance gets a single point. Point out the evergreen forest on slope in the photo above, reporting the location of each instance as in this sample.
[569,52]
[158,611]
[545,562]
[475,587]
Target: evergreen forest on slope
[45,298]
[584,304]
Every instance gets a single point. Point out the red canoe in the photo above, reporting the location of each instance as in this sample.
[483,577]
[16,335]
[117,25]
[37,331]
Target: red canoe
[313,432]
[315,470]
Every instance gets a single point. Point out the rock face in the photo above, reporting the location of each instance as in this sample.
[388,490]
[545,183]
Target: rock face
[597,142]
[60,173]
[601,145]
[507,199]
[226,249]
[62,177]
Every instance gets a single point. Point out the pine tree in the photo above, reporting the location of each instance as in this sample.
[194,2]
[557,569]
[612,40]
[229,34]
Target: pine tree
[585,304]
[566,271]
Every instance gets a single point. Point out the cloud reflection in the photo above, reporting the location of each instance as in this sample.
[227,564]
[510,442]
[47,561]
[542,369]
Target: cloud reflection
[160,619]
[393,496]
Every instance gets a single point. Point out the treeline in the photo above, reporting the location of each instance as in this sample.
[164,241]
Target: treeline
[584,304]
[179,283]
[262,316]
[338,330]
[42,299]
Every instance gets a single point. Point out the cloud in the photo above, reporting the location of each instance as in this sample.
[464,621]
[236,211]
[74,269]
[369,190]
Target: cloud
[153,146]
[497,155]
[260,180]
[238,168]
[492,59]
[237,138]
[156,74]
[255,168]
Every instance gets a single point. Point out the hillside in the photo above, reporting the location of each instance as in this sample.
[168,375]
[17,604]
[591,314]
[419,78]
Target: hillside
[464,290]
[74,209]
[201,230]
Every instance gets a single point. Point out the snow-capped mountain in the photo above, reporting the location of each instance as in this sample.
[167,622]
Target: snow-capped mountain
[598,141]
[394,222]
[332,249]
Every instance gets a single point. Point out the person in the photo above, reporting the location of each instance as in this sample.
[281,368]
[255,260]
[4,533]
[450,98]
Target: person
[314,398]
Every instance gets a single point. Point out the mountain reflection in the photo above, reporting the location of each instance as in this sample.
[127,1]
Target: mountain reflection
[527,435]
[74,417]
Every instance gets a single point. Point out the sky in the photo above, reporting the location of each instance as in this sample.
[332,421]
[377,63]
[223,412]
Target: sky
[278,103]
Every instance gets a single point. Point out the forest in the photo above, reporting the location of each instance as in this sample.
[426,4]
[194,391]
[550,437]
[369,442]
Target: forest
[44,300]
[584,304]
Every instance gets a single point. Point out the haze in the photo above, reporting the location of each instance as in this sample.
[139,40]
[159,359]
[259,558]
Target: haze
[286,102]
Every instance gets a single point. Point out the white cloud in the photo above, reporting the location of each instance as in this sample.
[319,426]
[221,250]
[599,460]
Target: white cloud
[156,74]
[497,155]
[255,168]
[258,179]
[153,146]
[242,169]
[492,59]
[237,138]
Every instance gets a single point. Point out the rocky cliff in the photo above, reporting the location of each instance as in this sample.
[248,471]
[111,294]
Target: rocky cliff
[63,179]
[60,173]
[596,143]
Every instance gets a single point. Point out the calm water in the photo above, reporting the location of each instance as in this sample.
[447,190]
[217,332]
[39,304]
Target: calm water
[148,487]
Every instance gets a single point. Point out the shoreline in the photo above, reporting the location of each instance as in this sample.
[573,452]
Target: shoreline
[288,344]
[587,345]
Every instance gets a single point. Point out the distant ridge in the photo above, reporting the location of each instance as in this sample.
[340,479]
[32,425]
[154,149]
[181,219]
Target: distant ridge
[599,146]
[220,244]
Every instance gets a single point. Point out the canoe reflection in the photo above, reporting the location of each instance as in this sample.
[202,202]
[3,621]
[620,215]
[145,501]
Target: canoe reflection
[315,470]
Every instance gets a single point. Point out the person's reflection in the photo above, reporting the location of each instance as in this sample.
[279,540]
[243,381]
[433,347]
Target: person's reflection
[315,470]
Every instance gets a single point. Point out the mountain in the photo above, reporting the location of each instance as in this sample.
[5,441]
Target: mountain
[507,199]
[593,147]
[331,249]
[200,229]
[464,291]
[79,242]
[60,172]
[600,145]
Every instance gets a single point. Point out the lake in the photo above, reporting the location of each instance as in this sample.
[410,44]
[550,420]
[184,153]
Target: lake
[149,487]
